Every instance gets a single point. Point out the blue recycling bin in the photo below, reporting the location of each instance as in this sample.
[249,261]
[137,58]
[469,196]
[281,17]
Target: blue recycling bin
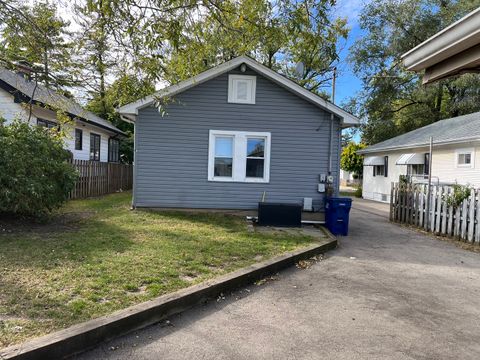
[337,211]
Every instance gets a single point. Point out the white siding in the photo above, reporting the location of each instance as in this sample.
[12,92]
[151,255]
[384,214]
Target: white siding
[444,166]
[84,154]
[378,187]
[444,170]
[11,110]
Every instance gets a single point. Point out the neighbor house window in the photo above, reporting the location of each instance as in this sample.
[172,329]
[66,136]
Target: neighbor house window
[113,150]
[241,89]
[94,147]
[239,156]
[416,169]
[381,170]
[47,124]
[465,158]
[78,139]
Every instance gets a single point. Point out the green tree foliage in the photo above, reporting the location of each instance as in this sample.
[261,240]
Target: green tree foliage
[125,89]
[350,160]
[35,177]
[393,101]
[96,52]
[38,35]
[279,34]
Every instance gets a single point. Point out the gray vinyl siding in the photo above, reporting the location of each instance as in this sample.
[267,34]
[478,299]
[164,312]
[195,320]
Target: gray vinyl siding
[172,151]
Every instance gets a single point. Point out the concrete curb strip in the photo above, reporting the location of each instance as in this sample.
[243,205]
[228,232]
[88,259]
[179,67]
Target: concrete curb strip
[81,337]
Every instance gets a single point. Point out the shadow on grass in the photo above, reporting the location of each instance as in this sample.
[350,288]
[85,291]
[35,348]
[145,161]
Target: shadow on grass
[52,249]
[224,220]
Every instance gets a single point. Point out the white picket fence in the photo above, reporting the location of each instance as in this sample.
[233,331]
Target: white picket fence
[408,205]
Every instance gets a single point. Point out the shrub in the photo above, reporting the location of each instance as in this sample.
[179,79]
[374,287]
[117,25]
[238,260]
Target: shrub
[350,160]
[358,192]
[35,177]
[459,194]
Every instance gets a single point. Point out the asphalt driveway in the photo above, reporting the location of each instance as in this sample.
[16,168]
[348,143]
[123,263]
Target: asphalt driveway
[386,293]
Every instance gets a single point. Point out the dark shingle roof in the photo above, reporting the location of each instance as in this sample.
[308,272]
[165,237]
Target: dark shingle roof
[457,129]
[51,98]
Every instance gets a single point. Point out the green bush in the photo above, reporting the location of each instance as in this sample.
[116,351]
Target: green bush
[35,177]
[358,192]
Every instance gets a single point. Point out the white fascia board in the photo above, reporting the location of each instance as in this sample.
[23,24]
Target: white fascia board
[418,145]
[455,38]
[466,61]
[347,118]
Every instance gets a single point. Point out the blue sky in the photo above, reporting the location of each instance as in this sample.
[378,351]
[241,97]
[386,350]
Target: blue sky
[347,83]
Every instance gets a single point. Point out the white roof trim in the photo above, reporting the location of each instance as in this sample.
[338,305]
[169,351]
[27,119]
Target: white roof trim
[411,159]
[373,160]
[367,150]
[452,40]
[131,110]
[466,61]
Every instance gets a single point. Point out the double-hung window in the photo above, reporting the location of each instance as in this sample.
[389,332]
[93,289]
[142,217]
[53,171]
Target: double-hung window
[47,124]
[464,158]
[223,163]
[94,147]
[78,139]
[239,156]
[113,150]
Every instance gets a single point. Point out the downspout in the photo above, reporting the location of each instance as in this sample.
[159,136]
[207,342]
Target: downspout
[332,118]
[134,180]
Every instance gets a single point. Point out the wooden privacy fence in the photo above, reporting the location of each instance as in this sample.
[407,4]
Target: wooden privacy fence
[408,205]
[100,178]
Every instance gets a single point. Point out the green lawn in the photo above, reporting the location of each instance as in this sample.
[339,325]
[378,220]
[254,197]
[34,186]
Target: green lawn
[96,256]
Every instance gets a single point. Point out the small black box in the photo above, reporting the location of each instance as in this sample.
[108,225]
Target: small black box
[279,214]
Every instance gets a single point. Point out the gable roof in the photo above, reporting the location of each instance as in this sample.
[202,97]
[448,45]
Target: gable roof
[130,111]
[456,130]
[24,89]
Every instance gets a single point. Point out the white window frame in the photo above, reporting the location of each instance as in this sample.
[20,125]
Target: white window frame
[232,89]
[459,152]
[239,161]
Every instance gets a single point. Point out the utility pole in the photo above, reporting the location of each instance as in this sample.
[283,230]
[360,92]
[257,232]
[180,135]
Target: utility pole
[333,84]
[429,186]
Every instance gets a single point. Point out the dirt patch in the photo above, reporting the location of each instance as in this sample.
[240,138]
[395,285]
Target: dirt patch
[10,224]
[305,230]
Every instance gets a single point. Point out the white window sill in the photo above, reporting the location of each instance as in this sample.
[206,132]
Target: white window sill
[241,102]
[261,181]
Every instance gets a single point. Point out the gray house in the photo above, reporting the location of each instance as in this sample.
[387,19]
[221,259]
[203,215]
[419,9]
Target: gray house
[232,135]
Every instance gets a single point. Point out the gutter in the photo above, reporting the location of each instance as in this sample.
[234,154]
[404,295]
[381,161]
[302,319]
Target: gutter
[410,146]
[458,37]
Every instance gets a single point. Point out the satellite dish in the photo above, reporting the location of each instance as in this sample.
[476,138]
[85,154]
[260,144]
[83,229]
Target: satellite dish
[299,69]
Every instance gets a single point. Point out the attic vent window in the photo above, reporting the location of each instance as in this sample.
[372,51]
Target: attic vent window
[241,89]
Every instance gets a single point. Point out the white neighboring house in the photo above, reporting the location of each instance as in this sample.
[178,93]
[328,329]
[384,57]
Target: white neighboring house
[90,137]
[346,178]
[455,157]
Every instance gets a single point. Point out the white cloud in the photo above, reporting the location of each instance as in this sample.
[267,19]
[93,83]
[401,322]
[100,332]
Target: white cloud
[350,9]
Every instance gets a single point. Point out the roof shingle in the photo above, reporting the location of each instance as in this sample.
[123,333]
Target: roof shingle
[51,98]
[457,129]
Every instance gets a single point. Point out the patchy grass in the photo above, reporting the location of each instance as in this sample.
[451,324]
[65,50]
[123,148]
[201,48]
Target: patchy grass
[96,256]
